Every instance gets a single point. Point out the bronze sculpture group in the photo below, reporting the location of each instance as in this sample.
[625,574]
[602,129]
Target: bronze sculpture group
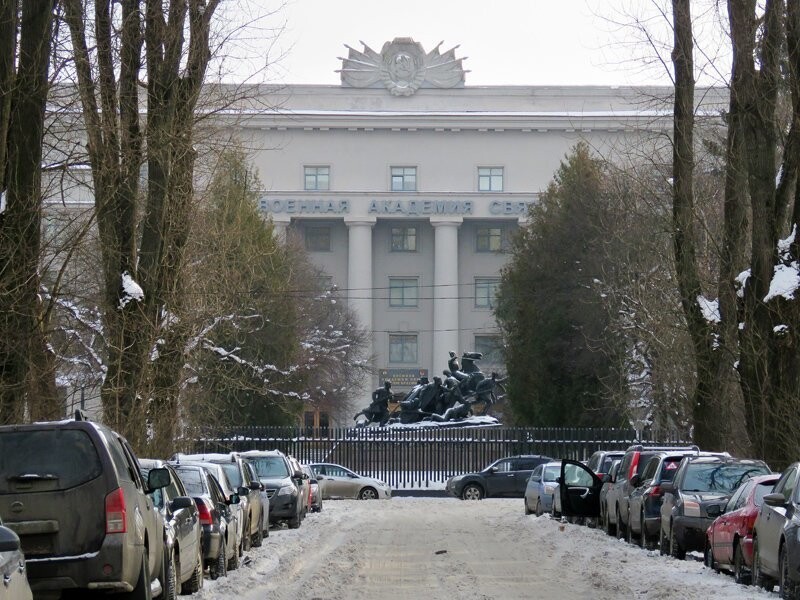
[440,400]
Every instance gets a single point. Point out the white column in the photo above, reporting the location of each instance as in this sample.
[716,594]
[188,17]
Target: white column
[445,291]
[279,226]
[359,273]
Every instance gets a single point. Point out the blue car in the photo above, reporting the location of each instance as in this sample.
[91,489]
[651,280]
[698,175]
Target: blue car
[541,488]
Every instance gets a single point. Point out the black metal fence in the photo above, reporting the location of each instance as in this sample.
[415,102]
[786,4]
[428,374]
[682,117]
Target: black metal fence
[422,458]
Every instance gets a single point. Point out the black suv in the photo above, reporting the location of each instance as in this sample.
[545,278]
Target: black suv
[73,493]
[506,477]
[696,496]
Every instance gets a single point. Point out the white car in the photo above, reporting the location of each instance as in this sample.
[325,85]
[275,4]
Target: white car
[12,567]
[340,482]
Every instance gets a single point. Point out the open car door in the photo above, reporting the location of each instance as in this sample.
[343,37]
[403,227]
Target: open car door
[579,489]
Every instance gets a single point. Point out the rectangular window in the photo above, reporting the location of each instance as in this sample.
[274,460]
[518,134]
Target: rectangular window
[486,291]
[404,239]
[403,291]
[489,239]
[318,239]
[404,179]
[491,347]
[403,348]
[317,179]
[490,179]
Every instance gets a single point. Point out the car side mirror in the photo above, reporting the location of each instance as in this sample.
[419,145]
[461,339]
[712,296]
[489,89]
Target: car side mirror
[606,478]
[494,469]
[776,499]
[181,502]
[9,541]
[256,485]
[313,481]
[233,499]
[636,480]
[535,478]
[320,477]
[668,487]
[714,510]
[242,491]
[560,480]
[157,479]
[298,474]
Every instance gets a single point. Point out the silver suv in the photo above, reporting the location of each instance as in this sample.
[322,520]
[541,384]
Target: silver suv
[73,493]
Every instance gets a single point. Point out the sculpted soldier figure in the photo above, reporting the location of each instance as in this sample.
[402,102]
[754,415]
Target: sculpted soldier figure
[378,410]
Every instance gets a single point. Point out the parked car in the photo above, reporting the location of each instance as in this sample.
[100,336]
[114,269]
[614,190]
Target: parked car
[696,496]
[542,485]
[216,520]
[249,491]
[579,490]
[635,458]
[601,461]
[304,485]
[506,477]
[608,480]
[315,499]
[235,530]
[264,498]
[644,502]
[341,482]
[12,567]
[183,537]
[280,481]
[729,539]
[73,493]
[776,545]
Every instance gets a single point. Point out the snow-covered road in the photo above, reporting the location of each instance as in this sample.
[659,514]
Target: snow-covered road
[448,549]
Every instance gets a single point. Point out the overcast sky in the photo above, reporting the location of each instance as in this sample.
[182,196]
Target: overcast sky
[511,42]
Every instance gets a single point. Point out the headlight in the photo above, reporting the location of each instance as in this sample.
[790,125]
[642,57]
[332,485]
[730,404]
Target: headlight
[286,490]
[549,489]
[691,509]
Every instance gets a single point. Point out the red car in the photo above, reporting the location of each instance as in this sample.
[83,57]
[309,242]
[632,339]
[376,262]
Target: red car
[729,539]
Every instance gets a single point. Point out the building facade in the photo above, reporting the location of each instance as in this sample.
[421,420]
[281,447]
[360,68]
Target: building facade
[406,186]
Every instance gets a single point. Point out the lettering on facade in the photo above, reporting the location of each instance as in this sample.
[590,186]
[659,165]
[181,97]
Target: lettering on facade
[306,207]
[509,207]
[421,207]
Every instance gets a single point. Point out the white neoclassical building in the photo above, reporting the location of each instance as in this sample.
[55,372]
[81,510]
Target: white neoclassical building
[406,186]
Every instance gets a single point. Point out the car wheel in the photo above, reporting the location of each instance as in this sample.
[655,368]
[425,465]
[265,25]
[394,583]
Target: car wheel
[788,589]
[142,589]
[675,549]
[610,529]
[759,578]
[195,583]
[233,561]
[528,511]
[708,557]
[539,509]
[629,531]
[663,542]
[643,541]
[620,528]
[258,537]
[220,566]
[368,493]
[472,492]
[170,578]
[294,522]
[741,574]
[244,544]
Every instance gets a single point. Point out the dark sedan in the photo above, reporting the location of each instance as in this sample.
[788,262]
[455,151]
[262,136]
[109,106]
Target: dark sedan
[696,496]
[506,477]
[776,546]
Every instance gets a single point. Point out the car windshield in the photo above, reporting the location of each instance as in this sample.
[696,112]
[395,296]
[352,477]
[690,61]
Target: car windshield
[270,467]
[719,477]
[193,481]
[234,476]
[551,473]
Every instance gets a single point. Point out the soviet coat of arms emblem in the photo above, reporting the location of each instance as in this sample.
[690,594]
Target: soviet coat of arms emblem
[402,67]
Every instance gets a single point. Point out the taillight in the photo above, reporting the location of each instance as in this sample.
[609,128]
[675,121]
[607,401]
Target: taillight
[205,514]
[655,491]
[115,512]
[750,524]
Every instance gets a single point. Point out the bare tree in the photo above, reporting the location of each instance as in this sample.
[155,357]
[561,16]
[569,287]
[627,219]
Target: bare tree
[26,364]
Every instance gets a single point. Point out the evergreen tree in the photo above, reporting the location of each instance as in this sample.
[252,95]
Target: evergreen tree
[551,314]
